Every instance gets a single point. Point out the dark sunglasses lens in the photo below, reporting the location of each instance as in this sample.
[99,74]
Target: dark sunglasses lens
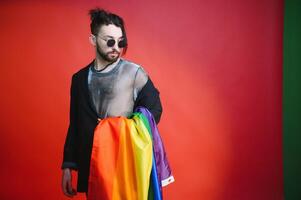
[121,44]
[110,42]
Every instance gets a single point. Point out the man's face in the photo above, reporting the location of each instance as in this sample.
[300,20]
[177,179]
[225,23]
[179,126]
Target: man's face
[106,32]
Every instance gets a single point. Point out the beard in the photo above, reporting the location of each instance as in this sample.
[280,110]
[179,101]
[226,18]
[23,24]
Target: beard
[106,56]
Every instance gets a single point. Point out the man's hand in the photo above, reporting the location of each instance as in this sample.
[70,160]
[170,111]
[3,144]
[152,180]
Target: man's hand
[67,183]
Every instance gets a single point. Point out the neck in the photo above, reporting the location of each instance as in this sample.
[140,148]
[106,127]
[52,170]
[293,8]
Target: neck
[101,63]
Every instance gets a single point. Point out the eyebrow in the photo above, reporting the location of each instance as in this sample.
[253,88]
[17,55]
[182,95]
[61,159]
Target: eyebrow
[112,36]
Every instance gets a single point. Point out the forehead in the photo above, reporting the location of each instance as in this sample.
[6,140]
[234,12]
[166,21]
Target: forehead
[110,30]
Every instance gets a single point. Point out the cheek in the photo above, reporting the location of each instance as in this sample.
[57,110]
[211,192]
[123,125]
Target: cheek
[101,44]
[102,47]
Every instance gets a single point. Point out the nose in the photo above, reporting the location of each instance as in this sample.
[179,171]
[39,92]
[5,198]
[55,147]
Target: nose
[116,47]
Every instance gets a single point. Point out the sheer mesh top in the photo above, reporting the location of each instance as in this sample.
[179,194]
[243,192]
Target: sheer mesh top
[113,92]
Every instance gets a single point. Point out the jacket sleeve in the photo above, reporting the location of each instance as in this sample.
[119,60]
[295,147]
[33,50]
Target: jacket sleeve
[70,147]
[149,98]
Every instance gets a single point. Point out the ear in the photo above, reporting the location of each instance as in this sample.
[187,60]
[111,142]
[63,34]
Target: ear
[92,39]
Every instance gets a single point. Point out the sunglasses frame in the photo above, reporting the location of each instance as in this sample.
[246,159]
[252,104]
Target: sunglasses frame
[111,42]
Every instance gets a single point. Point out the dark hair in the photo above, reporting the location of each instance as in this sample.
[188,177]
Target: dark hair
[101,17]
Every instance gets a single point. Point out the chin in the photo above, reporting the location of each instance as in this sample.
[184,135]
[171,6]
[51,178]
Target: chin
[113,58]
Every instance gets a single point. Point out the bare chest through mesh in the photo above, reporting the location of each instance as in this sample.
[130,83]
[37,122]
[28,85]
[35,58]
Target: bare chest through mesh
[112,93]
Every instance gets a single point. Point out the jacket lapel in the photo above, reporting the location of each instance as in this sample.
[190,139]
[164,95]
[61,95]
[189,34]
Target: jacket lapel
[85,90]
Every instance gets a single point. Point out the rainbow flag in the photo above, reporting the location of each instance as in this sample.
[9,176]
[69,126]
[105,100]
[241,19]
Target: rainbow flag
[123,161]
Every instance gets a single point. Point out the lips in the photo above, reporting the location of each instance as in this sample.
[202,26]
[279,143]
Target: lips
[114,53]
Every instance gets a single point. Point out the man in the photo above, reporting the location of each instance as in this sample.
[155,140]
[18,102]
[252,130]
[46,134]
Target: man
[109,86]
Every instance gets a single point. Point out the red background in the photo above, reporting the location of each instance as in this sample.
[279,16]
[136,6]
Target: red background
[217,64]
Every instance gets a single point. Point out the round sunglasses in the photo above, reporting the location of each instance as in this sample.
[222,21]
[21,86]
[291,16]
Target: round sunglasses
[111,42]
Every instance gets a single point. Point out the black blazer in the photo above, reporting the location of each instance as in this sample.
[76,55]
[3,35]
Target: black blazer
[83,120]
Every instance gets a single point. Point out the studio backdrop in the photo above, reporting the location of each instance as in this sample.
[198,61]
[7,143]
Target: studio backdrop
[217,64]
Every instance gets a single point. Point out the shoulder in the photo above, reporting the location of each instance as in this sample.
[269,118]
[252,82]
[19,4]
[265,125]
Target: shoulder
[137,70]
[82,72]
[131,65]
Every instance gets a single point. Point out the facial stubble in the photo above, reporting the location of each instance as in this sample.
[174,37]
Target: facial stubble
[105,56]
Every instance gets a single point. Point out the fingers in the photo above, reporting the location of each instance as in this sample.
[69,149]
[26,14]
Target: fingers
[65,190]
[67,185]
[71,191]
